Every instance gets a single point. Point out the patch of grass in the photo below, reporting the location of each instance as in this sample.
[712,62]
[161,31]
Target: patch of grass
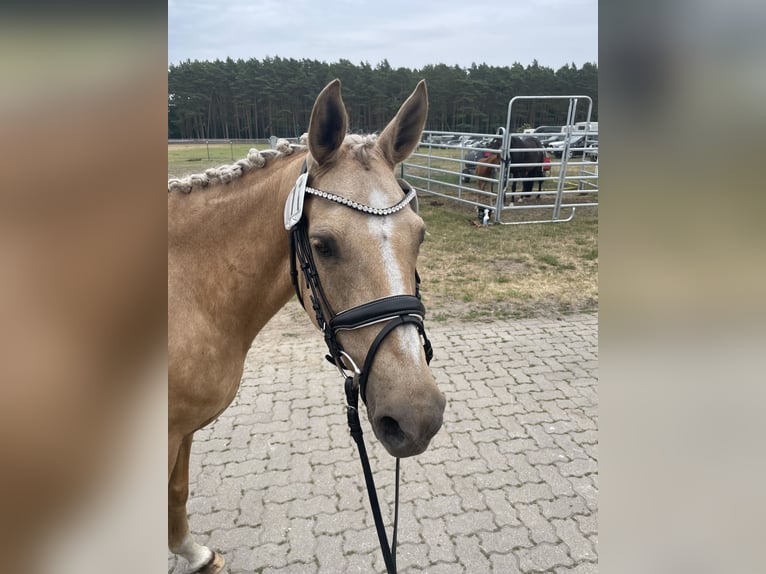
[548,259]
[515,270]
[185,159]
[515,294]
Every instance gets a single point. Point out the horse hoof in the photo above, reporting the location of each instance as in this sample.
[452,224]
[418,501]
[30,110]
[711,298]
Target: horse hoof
[215,565]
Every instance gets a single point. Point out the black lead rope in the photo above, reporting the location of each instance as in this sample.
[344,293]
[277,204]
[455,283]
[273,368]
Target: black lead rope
[355,427]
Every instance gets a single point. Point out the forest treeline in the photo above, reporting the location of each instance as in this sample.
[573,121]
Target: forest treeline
[252,99]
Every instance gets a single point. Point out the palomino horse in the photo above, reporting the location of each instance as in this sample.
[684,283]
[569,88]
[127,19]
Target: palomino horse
[229,272]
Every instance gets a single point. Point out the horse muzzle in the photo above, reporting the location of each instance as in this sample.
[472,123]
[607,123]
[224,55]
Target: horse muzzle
[405,427]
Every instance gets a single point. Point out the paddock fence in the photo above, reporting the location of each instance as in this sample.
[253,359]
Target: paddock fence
[445,164]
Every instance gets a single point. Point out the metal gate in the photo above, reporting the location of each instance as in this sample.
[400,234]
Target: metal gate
[445,165]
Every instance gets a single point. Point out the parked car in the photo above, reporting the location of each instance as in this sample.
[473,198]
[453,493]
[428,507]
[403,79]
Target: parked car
[547,130]
[556,148]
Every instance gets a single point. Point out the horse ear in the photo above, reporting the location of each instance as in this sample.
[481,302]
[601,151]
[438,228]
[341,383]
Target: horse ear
[327,127]
[402,135]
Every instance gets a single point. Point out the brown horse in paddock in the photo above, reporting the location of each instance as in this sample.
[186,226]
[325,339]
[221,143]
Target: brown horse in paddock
[229,272]
[487,167]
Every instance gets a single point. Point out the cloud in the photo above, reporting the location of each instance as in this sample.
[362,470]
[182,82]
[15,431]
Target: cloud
[406,34]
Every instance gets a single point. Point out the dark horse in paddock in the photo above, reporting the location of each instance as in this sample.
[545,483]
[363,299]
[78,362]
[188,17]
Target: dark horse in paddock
[534,152]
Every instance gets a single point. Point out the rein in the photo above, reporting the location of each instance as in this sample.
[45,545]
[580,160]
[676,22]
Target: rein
[392,311]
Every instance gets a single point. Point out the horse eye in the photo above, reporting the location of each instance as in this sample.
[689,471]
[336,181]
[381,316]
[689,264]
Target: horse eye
[324,247]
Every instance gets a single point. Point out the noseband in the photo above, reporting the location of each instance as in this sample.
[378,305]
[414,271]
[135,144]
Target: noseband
[393,311]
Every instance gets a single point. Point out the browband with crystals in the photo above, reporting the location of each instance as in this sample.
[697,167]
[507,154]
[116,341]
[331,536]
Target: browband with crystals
[360,206]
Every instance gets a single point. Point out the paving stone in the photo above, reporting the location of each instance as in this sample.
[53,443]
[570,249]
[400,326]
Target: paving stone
[337,522]
[584,486]
[524,471]
[469,522]
[504,563]
[563,507]
[225,540]
[329,554]
[360,540]
[508,485]
[543,557]
[441,548]
[221,519]
[503,511]
[588,523]
[470,496]
[301,539]
[267,556]
[581,568]
[580,548]
[529,492]
[545,456]
[560,486]
[540,528]
[505,539]
[470,555]
[412,556]
[358,564]
[494,479]
[438,506]
[579,467]
[447,568]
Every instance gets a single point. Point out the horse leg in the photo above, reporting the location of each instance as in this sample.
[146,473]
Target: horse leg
[201,559]
[527,185]
[542,174]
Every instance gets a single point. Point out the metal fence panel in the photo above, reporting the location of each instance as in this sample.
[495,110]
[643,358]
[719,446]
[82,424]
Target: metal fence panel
[445,165]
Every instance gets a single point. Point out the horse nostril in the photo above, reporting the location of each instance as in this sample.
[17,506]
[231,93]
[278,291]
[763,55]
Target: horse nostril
[391,431]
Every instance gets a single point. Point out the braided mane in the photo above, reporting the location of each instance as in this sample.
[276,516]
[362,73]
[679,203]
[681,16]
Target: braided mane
[358,145]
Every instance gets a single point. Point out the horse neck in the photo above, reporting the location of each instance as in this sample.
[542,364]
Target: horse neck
[228,250]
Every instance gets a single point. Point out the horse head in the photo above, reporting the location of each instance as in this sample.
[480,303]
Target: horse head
[364,242]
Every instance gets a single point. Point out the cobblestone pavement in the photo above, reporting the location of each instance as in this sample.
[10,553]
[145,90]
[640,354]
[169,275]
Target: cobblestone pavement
[509,484]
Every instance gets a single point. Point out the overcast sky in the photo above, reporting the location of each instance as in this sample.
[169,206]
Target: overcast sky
[408,34]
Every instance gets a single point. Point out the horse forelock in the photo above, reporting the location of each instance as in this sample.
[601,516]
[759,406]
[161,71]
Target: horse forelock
[358,147]
[361,146]
[227,173]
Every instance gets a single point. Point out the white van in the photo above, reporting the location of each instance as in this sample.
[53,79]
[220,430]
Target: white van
[582,127]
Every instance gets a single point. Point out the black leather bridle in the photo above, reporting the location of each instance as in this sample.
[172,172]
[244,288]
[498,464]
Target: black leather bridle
[391,311]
